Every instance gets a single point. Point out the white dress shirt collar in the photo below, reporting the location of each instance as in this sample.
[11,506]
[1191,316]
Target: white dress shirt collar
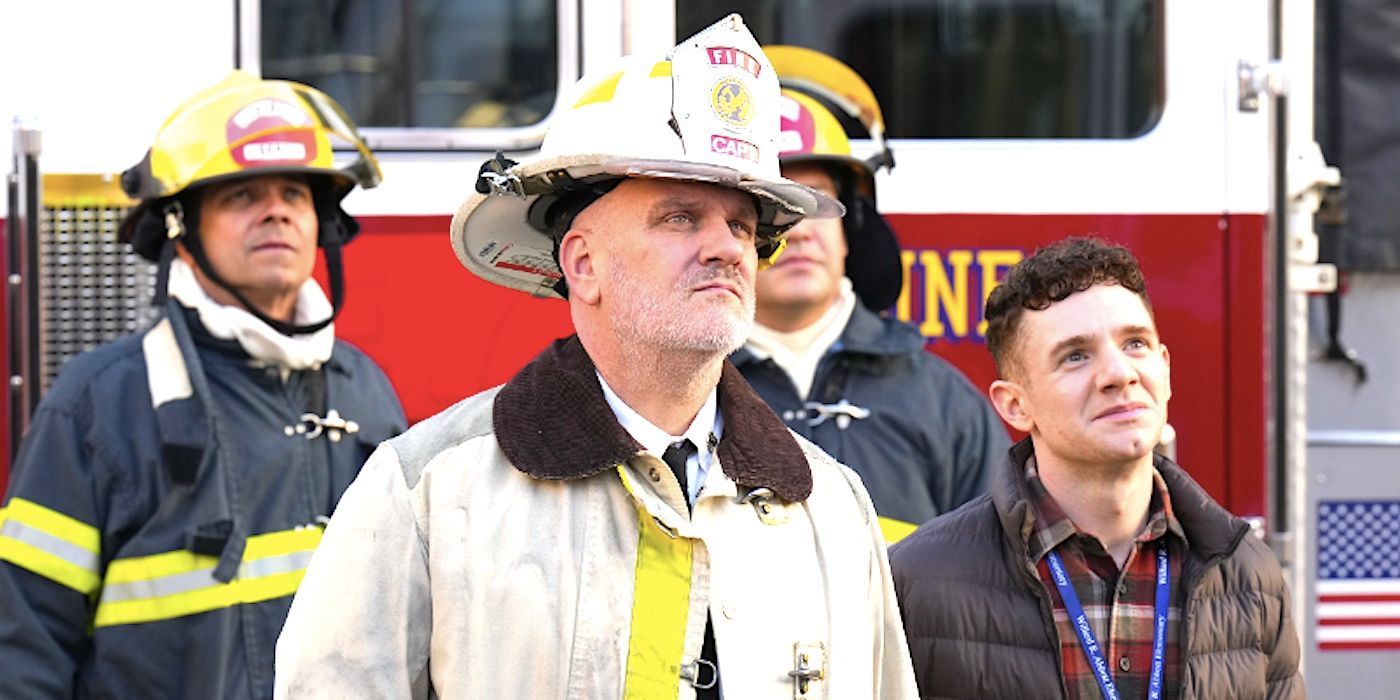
[707,424]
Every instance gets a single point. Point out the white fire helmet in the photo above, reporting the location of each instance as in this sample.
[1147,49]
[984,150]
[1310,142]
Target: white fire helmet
[708,112]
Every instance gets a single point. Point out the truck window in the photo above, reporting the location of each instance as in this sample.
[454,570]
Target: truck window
[985,69]
[403,66]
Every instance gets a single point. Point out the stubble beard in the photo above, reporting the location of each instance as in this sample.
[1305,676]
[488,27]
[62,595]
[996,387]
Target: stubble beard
[670,322]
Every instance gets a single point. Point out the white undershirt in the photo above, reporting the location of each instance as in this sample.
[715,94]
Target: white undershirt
[655,440]
[799,352]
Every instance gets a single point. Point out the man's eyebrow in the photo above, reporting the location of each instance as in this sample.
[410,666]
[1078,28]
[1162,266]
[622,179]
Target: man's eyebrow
[673,203]
[1085,339]
[1070,342]
[684,203]
[1137,330]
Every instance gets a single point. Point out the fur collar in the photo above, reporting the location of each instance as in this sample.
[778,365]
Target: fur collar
[552,423]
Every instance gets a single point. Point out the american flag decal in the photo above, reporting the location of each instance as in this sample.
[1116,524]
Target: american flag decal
[1358,575]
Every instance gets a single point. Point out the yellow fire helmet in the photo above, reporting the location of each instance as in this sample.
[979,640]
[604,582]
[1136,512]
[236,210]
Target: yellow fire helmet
[811,134]
[815,73]
[815,86]
[243,127]
[707,112]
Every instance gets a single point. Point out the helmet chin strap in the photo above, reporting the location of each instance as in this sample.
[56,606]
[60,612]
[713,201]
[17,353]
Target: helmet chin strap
[330,242]
[174,215]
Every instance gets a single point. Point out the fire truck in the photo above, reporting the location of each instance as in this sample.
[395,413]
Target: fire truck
[1185,130]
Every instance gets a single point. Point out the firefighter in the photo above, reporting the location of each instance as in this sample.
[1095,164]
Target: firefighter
[837,371]
[625,517]
[174,482]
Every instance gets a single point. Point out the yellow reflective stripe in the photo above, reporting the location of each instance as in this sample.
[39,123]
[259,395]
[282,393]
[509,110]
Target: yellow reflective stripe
[50,544]
[175,584]
[660,607]
[895,530]
[236,592]
[662,69]
[178,562]
[602,91]
[284,542]
[51,567]
[69,530]
[157,565]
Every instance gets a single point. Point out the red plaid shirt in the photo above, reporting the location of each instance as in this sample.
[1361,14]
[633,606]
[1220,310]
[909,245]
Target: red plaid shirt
[1119,604]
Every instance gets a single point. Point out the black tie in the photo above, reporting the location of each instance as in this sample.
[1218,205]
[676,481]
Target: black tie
[675,457]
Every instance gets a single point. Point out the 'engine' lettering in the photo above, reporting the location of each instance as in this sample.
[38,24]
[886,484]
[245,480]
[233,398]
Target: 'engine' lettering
[946,291]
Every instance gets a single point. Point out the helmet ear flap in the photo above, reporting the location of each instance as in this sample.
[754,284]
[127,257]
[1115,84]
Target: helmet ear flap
[337,226]
[146,227]
[873,258]
[145,231]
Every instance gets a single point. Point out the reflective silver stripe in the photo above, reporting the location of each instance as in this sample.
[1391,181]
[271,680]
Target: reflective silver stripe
[280,564]
[199,579]
[158,587]
[43,541]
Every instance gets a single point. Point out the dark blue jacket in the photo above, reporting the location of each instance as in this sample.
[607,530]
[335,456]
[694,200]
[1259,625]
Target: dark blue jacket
[163,507]
[930,441]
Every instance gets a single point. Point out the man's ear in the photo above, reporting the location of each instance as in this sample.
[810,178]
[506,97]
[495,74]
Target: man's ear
[576,261]
[1009,399]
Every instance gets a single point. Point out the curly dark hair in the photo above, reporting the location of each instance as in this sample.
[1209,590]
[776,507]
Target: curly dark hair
[1049,275]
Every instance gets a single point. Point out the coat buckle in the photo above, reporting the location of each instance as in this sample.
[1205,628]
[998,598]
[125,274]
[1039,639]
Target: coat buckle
[693,672]
[842,411]
[761,499]
[333,425]
[809,662]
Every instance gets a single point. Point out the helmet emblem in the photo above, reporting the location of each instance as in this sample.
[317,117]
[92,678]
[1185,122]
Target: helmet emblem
[732,102]
[799,129]
[279,132]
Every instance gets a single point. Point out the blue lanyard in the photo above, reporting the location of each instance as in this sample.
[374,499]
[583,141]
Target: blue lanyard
[1091,645]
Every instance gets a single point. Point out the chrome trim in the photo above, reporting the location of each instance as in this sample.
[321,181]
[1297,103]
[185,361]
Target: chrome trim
[381,139]
[249,48]
[1354,438]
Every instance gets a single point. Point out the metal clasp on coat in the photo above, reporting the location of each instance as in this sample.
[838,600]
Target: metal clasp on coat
[843,411]
[321,522]
[768,512]
[692,672]
[809,664]
[333,425]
